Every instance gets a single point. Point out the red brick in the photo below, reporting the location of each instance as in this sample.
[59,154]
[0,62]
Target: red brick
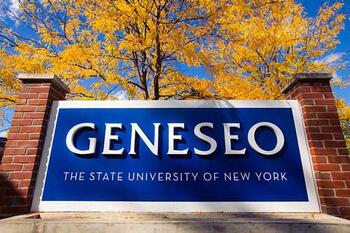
[330,184]
[323,175]
[43,96]
[321,89]
[25,108]
[10,167]
[31,129]
[341,175]
[14,129]
[332,170]
[34,115]
[25,183]
[21,122]
[34,136]
[30,167]
[37,102]
[24,159]
[334,201]
[319,136]
[338,159]
[6,159]
[330,129]
[319,159]
[292,96]
[327,167]
[11,135]
[330,102]
[23,134]
[315,144]
[332,108]
[41,108]
[25,89]
[327,115]
[17,136]
[310,115]
[310,96]
[326,192]
[40,89]
[11,143]
[334,122]
[339,143]
[328,95]
[23,191]
[313,109]
[338,136]
[31,143]
[315,122]
[21,175]
[39,122]
[32,151]
[14,151]
[28,95]
[306,102]
[301,89]
[21,102]
[310,130]
[323,151]
[18,115]
[342,192]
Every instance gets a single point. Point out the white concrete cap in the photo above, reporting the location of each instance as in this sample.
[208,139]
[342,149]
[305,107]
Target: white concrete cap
[50,78]
[306,77]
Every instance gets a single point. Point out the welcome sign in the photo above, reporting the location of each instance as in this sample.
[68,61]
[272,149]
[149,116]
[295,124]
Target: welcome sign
[234,156]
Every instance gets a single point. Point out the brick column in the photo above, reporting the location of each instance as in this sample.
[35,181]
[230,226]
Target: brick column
[330,157]
[21,158]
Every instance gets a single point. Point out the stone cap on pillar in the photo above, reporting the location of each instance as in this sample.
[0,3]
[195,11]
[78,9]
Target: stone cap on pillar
[307,78]
[43,78]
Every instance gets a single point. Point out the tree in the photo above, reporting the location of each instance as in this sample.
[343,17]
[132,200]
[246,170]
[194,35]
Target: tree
[102,48]
[118,45]
[344,116]
[263,44]
[136,45]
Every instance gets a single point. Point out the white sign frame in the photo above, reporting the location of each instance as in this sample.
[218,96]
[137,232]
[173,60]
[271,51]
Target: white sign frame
[312,205]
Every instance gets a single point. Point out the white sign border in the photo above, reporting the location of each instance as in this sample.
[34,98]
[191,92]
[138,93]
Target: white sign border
[312,205]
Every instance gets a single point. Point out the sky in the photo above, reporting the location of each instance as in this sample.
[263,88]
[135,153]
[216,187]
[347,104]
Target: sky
[341,54]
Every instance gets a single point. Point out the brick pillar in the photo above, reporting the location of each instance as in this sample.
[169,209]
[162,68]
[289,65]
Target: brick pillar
[330,157]
[21,158]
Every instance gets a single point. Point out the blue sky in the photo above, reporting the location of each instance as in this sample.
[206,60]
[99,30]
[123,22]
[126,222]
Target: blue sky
[342,51]
[340,54]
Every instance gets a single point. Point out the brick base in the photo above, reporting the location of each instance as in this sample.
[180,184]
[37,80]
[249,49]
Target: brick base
[330,157]
[21,158]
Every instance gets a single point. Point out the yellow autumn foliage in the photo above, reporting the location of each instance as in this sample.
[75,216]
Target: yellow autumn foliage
[344,116]
[101,48]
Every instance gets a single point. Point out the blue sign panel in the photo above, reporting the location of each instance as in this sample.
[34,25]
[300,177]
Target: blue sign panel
[186,155]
